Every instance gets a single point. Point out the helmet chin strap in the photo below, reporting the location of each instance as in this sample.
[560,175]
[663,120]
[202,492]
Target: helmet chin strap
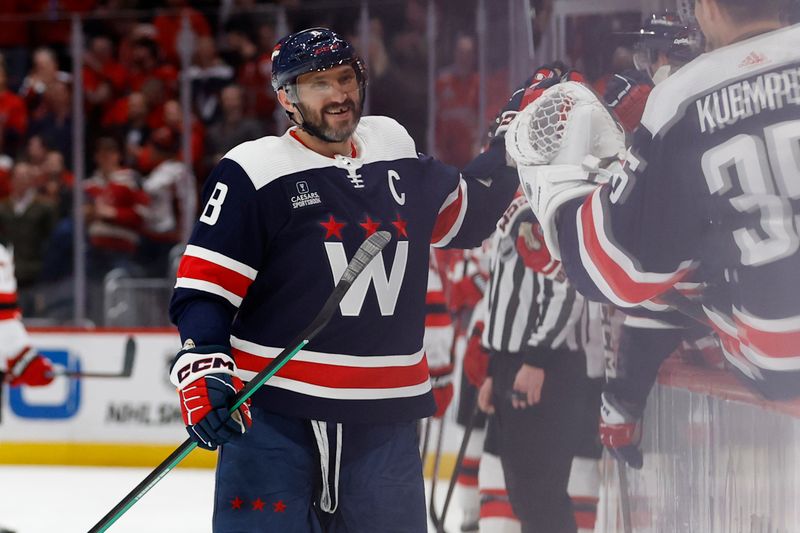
[307,126]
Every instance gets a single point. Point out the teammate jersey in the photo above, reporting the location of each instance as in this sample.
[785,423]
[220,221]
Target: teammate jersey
[13,337]
[279,225]
[711,188]
[526,312]
[438,340]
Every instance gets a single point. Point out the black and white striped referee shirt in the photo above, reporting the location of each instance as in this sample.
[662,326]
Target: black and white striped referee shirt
[524,310]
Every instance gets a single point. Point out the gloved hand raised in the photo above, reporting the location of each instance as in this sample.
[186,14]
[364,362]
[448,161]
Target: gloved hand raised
[206,380]
[523,96]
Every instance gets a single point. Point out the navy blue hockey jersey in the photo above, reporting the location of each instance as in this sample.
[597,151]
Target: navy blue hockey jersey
[279,226]
[710,193]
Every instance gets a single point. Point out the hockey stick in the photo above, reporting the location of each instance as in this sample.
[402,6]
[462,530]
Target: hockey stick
[437,523]
[426,427]
[126,372]
[624,502]
[365,253]
[459,463]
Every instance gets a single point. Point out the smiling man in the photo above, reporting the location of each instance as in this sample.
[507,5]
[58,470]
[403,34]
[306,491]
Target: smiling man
[332,445]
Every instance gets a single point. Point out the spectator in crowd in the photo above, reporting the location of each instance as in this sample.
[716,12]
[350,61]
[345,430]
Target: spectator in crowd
[26,222]
[253,68]
[42,75]
[113,213]
[35,151]
[168,26]
[405,77]
[113,210]
[134,131]
[168,188]
[173,119]
[55,183]
[457,89]
[104,78]
[234,127]
[146,65]
[209,74]
[13,116]
[55,125]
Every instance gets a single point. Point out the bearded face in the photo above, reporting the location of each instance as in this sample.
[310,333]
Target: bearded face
[330,102]
[335,121]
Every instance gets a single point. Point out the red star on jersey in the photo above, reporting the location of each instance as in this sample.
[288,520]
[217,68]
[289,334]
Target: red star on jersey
[278,507]
[236,503]
[400,224]
[370,226]
[333,228]
[258,504]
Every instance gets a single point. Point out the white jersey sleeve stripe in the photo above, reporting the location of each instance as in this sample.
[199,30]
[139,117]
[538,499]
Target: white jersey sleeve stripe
[205,286]
[342,394]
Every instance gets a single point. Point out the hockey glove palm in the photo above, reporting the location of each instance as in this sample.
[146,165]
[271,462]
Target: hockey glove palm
[621,431]
[206,381]
[534,253]
[476,358]
[442,385]
[627,94]
[29,368]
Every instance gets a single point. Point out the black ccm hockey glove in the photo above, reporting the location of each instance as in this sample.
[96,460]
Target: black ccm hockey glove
[206,380]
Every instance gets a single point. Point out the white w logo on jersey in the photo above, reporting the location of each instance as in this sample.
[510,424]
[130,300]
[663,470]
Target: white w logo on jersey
[375,274]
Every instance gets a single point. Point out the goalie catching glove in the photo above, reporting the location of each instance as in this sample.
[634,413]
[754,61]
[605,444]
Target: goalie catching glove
[564,144]
[206,381]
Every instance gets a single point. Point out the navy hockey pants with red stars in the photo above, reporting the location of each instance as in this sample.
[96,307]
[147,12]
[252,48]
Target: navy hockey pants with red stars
[271,478]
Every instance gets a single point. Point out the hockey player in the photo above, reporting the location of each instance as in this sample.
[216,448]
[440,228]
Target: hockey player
[708,189]
[645,336]
[438,339]
[20,363]
[332,446]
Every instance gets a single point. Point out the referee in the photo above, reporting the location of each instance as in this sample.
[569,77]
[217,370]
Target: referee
[537,373]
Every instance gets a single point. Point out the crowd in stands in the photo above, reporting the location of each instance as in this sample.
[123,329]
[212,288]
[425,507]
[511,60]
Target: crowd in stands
[134,193]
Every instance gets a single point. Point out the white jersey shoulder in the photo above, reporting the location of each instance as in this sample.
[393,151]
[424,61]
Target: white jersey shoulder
[383,139]
[269,158]
[718,69]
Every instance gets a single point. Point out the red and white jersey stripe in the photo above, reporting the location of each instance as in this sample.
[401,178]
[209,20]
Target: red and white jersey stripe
[451,216]
[209,271]
[337,376]
[620,279]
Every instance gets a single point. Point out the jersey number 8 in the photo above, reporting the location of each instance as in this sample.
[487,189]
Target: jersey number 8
[213,207]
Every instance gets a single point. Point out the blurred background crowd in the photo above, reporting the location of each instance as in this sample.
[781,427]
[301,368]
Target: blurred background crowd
[103,152]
